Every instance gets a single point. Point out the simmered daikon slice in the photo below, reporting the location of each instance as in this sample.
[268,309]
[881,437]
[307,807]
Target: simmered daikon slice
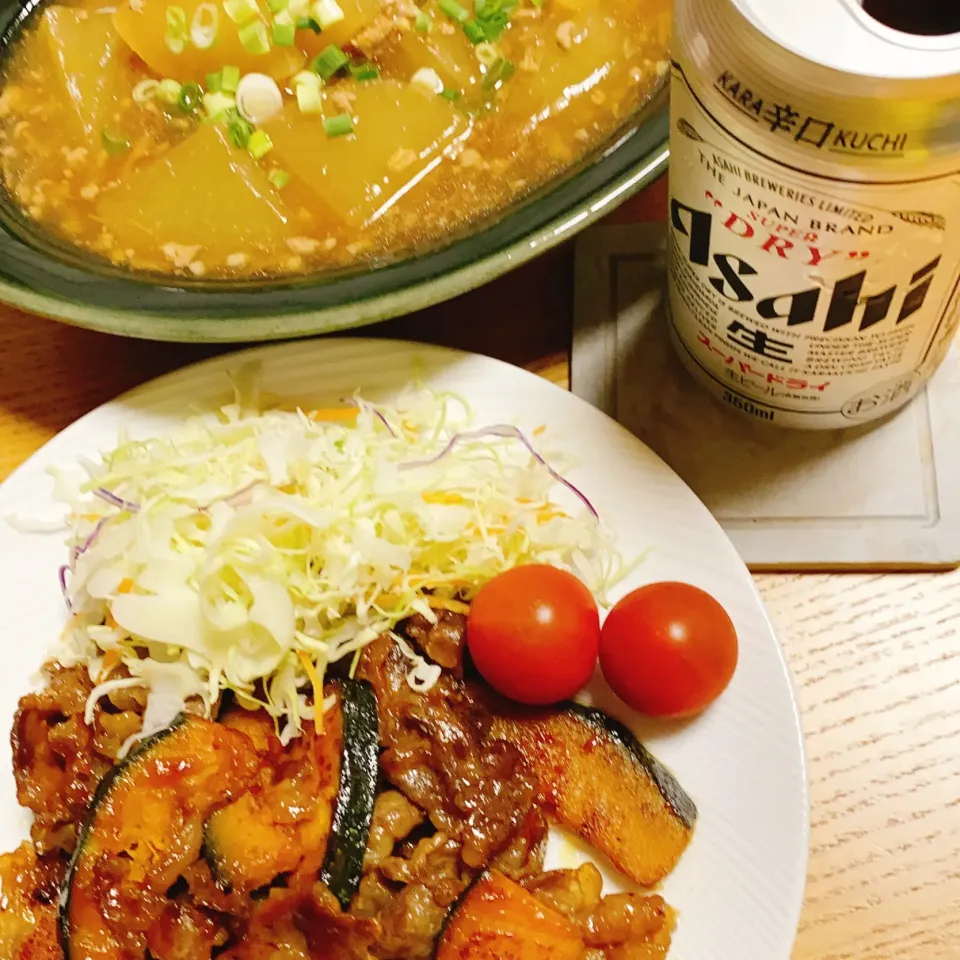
[358,15]
[143,25]
[565,64]
[449,54]
[89,64]
[399,133]
[202,202]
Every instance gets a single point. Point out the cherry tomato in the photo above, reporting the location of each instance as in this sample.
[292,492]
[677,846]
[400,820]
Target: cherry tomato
[534,633]
[668,649]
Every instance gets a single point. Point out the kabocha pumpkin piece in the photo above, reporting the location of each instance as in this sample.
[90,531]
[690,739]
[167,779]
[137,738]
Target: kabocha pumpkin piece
[207,194]
[372,143]
[597,779]
[353,809]
[143,827]
[314,817]
[496,919]
[144,26]
[284,825]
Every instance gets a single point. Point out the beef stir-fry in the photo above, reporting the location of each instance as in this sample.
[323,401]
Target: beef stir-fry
[412,825]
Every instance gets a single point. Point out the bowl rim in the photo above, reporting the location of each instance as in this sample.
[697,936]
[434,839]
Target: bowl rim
[279,326]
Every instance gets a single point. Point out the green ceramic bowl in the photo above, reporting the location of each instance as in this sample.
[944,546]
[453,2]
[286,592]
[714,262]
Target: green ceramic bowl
[42,275]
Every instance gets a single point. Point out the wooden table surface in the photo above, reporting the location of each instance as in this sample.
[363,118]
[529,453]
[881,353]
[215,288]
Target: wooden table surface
[876,657]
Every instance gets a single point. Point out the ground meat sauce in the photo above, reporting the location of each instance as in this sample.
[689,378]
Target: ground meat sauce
[453,802]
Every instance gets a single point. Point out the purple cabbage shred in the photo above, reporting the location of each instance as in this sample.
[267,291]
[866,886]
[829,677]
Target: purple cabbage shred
[363,405]
[91,539]
[104,494]
[508,432]
[62,575]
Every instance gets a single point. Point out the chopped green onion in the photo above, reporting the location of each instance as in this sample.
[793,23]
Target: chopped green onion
[279,178]
[308,23]
[329,61]
[191,96]
[169,92]
[454,10]
[486,53]
[423,23]
[283,34]
[218,104]
[145,90]
[309,99]
[258,98]
[241,11]
[448,94]
[364,71]
[277,6]
[254,37]
[474,32]
[498,74]
[175,37]
[338,126]
[308,78]
[427,79]
[205,26]
[493,16]
[240,130]
[229,79]
[259,144]
[327,13]
[214,82]
[114,141]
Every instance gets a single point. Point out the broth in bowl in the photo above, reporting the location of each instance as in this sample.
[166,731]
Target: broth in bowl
[263,137]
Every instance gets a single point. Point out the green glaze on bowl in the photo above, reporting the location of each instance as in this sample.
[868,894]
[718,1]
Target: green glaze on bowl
[43,275]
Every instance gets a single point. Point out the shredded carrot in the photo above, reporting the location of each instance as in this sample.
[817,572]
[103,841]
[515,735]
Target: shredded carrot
[541,430]
[442,603]
[108,621]
[310,668]
[386,600]
[545,516]
[334,414]
[126,585]
[441,497]
[111,659]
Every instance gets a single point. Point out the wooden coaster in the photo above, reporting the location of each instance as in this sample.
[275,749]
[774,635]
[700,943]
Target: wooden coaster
[880,496]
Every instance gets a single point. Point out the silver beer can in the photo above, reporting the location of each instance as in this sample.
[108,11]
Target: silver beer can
[814,224]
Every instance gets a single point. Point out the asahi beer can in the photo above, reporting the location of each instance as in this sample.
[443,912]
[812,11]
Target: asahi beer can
[814,232]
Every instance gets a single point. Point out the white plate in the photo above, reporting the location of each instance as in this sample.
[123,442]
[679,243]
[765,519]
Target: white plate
[740,885]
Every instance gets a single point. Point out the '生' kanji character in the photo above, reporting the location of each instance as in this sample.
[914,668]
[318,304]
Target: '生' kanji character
[756,341]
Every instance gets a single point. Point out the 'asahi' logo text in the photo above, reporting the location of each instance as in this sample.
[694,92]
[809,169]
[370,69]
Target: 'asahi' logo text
[727,273]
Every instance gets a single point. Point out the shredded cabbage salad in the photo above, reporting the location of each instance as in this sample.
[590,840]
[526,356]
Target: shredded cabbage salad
[255,546]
